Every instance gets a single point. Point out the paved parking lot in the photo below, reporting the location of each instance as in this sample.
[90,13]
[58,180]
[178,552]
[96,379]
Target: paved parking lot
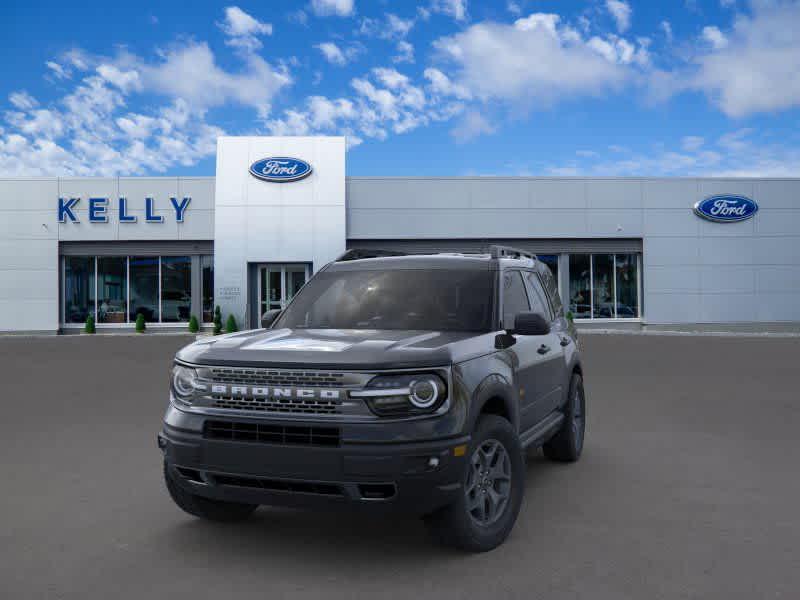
[688,488]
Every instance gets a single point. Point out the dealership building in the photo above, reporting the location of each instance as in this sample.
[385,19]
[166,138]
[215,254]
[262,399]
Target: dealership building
[627,252]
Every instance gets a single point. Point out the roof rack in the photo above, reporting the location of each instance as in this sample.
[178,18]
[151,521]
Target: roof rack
[509,252]
[359,253]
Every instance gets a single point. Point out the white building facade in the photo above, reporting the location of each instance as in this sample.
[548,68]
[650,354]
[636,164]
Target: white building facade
[627,252]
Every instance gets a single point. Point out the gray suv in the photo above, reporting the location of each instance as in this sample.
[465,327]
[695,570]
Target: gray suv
[390,383]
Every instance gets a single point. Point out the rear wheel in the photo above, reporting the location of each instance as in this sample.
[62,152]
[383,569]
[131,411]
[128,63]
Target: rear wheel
[493,485]
[205,508]
[567,444]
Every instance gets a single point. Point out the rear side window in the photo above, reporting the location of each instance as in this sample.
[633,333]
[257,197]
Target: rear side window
[539,303]
[551,287]
[515,299]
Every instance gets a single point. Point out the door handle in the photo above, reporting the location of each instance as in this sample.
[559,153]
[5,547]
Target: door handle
[543,349]
[565,341]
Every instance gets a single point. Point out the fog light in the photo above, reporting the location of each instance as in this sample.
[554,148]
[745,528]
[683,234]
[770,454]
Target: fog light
[433,462]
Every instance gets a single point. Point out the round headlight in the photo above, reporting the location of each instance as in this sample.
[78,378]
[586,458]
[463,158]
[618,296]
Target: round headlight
[183,381]
[423,393]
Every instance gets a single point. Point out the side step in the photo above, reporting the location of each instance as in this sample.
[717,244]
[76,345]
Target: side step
[539,433]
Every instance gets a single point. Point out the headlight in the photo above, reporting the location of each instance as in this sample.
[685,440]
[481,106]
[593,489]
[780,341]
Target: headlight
[404,395]
[184,383]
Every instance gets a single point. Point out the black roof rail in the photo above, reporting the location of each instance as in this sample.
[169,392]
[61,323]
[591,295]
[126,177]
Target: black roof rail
[509,252]
[359,253]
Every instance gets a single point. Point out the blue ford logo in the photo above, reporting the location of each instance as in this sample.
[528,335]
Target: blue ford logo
[280,169]
[726,209]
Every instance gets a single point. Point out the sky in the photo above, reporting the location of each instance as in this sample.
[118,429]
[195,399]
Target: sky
[429,88]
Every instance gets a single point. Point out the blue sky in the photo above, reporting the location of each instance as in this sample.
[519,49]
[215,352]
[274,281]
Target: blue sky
[436,87]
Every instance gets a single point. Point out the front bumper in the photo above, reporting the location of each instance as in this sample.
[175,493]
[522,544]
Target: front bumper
[415,477]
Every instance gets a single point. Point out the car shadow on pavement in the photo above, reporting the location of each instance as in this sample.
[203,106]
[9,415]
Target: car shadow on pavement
[327,537]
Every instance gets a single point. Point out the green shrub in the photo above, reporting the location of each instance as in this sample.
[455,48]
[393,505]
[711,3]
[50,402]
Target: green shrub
[140,324]
[570,317]
[194,327]
[89,327]
[217,321]
[230,325]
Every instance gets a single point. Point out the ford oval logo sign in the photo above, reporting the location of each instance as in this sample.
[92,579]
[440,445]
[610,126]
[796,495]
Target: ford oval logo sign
[726,209]
[280,169]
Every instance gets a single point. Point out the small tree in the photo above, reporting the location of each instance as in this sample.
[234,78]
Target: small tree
[230,325]
[140,324]
[193,325]
[217,321]
[570,317]
[89,327]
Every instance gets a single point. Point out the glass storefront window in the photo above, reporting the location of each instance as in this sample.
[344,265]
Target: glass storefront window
[78,288]
[207,269]
[112,284]
[580,299]
[603,286]
[144,288]
[627,286]
[176,289]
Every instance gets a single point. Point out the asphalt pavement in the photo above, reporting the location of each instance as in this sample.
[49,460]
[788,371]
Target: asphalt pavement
[688,488]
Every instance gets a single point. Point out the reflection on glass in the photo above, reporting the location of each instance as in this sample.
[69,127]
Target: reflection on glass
[579,286]
[144,288]
[78,288]
[603,285]
[207,269]
[294,281]
[274,285]
[627,287]
[551,260]
[112,277]
[176,289]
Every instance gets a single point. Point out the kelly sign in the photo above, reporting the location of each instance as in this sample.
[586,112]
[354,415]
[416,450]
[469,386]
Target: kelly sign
[99,208]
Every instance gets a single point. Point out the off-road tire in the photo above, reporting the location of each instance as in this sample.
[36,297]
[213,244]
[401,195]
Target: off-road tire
[567,444]
[205,508]
[454,525]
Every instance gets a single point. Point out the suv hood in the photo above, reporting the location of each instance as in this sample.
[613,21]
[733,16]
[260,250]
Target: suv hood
[335,348]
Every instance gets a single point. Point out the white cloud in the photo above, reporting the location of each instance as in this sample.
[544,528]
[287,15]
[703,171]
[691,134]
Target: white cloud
[727,3]
[692,143]
[666,27]
[735,154]
[57,70]
[453,8]
[398,27]
[758,70]
[715,37]
[536,60]
[441,84]
[336,55]
[339,8]
[243,29]
[22,100]
[473,124]
[405,53]
[621,11]
[514,8]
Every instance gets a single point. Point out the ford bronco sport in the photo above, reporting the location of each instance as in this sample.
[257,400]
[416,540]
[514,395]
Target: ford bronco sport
[406,382]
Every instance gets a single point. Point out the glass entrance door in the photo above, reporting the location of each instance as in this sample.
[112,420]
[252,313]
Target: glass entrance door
[277,284]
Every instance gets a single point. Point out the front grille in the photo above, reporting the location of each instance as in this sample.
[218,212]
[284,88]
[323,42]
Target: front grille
[272,434]
[272,377]
[279,405]
[280,485]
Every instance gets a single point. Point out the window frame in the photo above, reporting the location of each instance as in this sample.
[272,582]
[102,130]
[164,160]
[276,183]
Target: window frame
[502,286]
[545,297]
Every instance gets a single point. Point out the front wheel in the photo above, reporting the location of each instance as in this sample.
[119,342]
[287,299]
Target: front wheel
[493,486]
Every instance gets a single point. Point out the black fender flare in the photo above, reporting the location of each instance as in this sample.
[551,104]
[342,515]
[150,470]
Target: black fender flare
[494,386]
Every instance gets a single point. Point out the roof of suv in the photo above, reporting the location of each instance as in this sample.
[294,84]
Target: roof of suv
[354,260]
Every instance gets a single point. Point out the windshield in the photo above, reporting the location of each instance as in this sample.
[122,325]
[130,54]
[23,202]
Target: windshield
[437,300]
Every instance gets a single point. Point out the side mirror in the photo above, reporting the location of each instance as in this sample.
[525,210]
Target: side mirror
[530,323]
[268,318]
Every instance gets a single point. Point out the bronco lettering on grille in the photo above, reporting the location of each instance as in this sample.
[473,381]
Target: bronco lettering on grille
[274,392]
